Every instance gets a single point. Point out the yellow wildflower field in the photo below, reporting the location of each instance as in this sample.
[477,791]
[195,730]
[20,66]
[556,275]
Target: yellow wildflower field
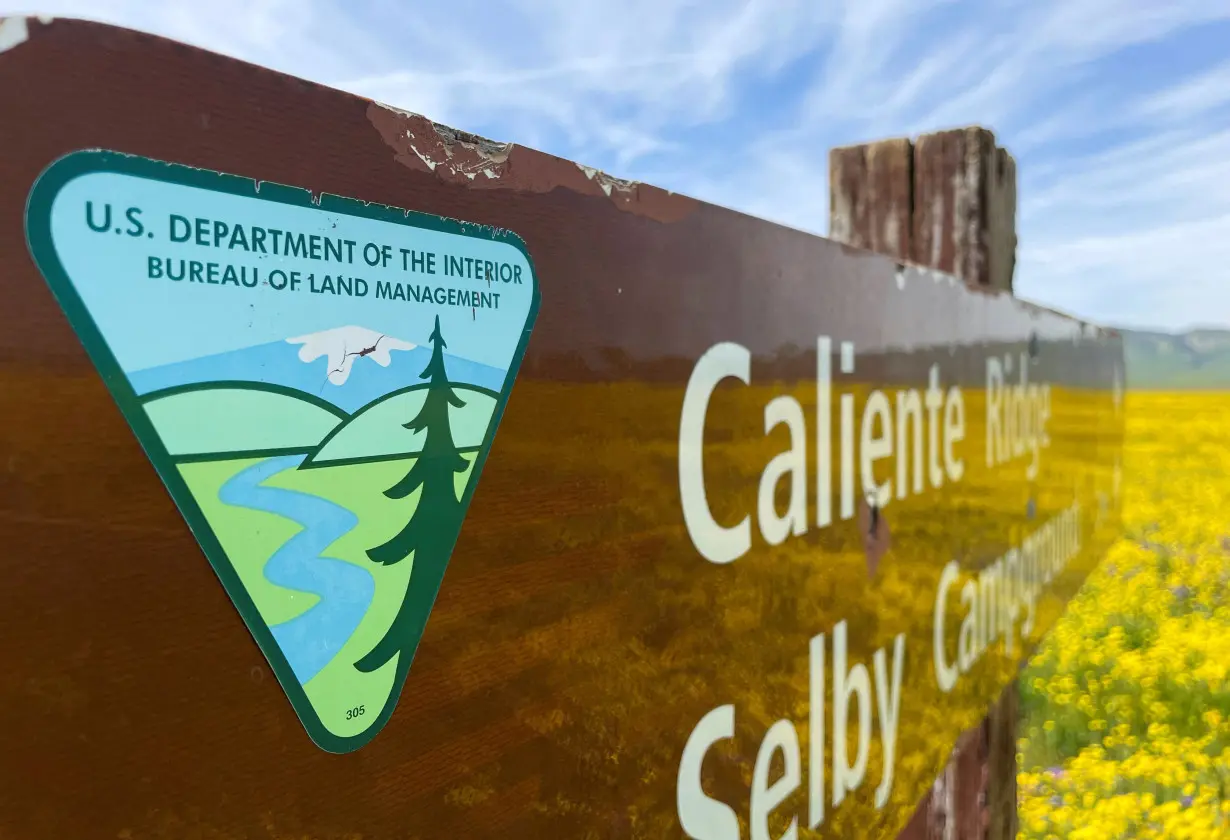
[1126,705]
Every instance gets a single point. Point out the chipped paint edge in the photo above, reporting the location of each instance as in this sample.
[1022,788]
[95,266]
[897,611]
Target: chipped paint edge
[457,155]
[608,183]
[493,154]
[13,32]
[15,29]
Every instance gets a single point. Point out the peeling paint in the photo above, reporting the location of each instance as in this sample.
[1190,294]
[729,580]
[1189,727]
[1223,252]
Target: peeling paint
[490,149]
[13,32]
[939,277]
[445,150]
[431,164]
[607,182]
[395,110]
[454,156]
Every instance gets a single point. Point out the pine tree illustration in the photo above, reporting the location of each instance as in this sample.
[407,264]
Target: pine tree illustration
[432,529]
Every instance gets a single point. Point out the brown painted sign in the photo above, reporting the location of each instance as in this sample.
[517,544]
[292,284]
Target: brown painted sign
[767,523]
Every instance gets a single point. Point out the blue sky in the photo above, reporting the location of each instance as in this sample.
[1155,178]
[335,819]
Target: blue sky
[1118,111]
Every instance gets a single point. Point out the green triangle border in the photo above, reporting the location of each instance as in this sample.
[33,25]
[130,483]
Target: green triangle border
[38,239]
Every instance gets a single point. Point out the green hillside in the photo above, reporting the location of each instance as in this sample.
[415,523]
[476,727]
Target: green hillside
[378,431]
[232,418]
[1198,359]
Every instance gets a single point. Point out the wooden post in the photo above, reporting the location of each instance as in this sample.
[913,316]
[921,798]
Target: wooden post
[945,201]
[964,218]
[1001,766]
[871,196]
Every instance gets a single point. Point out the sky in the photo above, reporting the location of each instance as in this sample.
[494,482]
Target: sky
[1117,111]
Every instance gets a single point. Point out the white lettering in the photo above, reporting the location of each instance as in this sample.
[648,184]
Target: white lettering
[765,797]
[909,416]
[815,733]
[703,818]
[824,428]
[873,446]
[1001,600]
[954,433]
[888,697]
[846,682]
[1017,415]
[715,543]
[793,463]
[945,674]
[934,401]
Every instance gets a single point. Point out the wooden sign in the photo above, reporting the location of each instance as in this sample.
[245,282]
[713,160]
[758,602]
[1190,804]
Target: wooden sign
[366,478]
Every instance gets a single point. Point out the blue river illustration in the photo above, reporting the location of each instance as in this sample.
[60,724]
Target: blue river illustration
[310,640]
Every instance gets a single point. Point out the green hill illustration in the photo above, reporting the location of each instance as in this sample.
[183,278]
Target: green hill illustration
[377,431]
[239,418]
[339,528]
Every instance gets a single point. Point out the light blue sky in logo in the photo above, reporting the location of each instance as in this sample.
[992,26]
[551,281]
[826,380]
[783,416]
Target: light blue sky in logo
[148,322]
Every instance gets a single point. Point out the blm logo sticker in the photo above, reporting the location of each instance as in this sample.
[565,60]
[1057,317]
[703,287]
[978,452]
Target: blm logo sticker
[317,381]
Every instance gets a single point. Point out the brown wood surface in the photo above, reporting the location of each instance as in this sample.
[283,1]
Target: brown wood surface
[946,201]
[871,192]
[578,636]
[965,207]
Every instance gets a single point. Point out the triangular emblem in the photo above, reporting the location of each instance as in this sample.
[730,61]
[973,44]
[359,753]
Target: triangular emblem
[318,382]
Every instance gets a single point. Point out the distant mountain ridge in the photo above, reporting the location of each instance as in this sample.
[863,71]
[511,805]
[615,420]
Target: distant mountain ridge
[323,364]
[1198,359]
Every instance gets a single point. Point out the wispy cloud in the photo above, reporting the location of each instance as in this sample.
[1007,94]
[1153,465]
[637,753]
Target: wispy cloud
[1196,96]
[1118,110]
